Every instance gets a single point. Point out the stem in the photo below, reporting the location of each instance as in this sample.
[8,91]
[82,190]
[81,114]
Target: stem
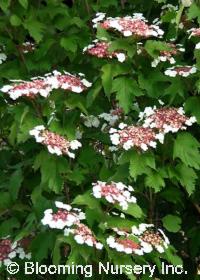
[151,206]
[178,17]
[197,207]
[123,3]
[87,7]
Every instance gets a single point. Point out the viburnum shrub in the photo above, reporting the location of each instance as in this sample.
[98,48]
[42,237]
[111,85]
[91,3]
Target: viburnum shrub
[100,136]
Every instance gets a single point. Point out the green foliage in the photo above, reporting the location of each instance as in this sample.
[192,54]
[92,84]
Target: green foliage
[172,223]
[165,179]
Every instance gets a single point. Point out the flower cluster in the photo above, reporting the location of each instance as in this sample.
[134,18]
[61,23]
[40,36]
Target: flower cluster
[110,118]
[115,193]
[186,3]
[135,136]
[168,55]
[151,238]
[136,25]
[83,235]
[44,85]
[27,47]
[55,143]
[113,116]
[66,216]
[139,240]
[90,121]
[67,81]
[69,219]
[100,49]
[183,71]
[125,244]
[10,250]
[28,88]
[166,119]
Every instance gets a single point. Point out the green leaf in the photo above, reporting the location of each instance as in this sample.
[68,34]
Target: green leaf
[47,162]
[126,89]
[15,20]
[35,28]
[154,180]
[7,226]
[107,77]
[172,223]
[124,45]
[93,93]
[87,199]
[4,4]
[154,47]
[194,12]
[15,183]
[24,3]
[69,43]
[140,163]
[42,245]
[187,177]
[192,105]
[186,148]
[5,201]
[133,210]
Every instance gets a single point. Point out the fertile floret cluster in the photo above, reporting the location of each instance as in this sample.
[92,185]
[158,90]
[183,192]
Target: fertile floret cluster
[166,119]
[136,25]
[66,216]
[139,240]
[44,85]
[27,47]
[151,238]
[183,71]
[83,235]
[100,49]
[131,136]
[115,193]
[168,55]
[10,250]
[56,144]
[125,244]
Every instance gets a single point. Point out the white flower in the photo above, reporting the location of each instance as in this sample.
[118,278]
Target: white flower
[75,144]
[197,47]
[79,239]
[187,3]
[100,17]
[99,246]
[144,147]
[128,145]
[12,255]
[3,57]
[170,73]
[121,57]
[159,248]
[127,33]
[63,206]
[86,83]
[122,125]
[115,138]
[160,137]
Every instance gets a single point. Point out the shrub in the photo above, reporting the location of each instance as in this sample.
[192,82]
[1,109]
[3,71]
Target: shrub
[101,166]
